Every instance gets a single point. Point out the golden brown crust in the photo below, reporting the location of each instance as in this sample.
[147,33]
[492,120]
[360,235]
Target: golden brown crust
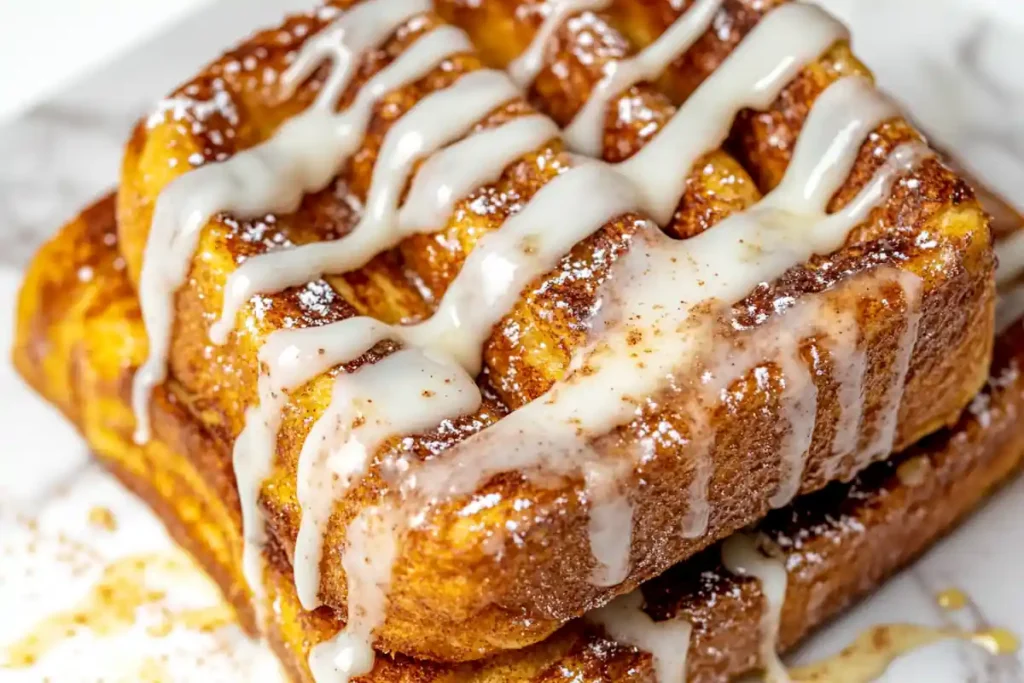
[451,599]
[44,341]
[856,534]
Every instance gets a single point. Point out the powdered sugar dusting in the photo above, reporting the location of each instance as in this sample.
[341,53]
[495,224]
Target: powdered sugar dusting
[316,298]
[184,107]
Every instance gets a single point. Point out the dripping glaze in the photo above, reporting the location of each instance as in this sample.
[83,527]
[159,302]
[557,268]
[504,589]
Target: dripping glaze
[742,555]
[625,621]
[525,68]
[586,131]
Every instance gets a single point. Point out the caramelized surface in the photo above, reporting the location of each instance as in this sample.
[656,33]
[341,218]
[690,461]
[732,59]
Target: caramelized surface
[78,342]
[453,597]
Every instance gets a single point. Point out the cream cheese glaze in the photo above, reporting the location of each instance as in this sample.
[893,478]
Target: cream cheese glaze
[844,343]
[666,298]
[409,391]
[625,621]
[524,69]
[657,286]
[742,555]
[752,76]
[586,131]
[437,120]
[885,433]
[302,157]
[433,378]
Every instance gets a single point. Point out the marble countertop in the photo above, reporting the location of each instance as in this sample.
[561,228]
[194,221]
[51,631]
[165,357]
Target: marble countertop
[66,150]
[78,35]
[949,61]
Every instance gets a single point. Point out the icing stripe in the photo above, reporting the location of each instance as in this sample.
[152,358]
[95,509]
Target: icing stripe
[741,556]
[586,132]
[786,40]
[525,68]
[302,157]
[625,621]
[435,121]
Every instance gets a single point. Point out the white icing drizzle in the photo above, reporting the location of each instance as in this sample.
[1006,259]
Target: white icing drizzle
[372,549]
[782,44]
[253,452]
[849,364]
[838,123]
[887,422]
[611,521]
[625,621]
[485,289]
[798,408]
[586,132]
[701,447]
[456,171]
[252,464]
[360,29]
[780,341]
[302,157]
[435,121]
[358,421]
[407,392]
[290,358]
[430,381]
[741,556]
[525,68]
[579,202]
[840,120]
[429,390]
[363,412]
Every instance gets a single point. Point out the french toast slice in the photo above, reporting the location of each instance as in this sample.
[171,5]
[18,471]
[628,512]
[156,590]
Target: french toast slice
[79,339]
[479,597]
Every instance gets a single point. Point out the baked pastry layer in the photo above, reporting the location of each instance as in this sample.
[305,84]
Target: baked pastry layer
[78,340]
[481,588]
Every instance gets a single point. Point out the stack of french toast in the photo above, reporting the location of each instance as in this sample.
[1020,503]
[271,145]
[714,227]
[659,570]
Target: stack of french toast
[527,340]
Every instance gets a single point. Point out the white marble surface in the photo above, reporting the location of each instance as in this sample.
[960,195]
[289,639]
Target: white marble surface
[956,66]
[66,151]
[77,35]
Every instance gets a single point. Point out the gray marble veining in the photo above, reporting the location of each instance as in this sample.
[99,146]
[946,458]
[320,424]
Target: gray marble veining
[65,152]
[955,65]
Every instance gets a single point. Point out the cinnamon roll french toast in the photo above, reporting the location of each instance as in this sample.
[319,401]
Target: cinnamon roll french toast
[79,342]
[485,313]
[477,381]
